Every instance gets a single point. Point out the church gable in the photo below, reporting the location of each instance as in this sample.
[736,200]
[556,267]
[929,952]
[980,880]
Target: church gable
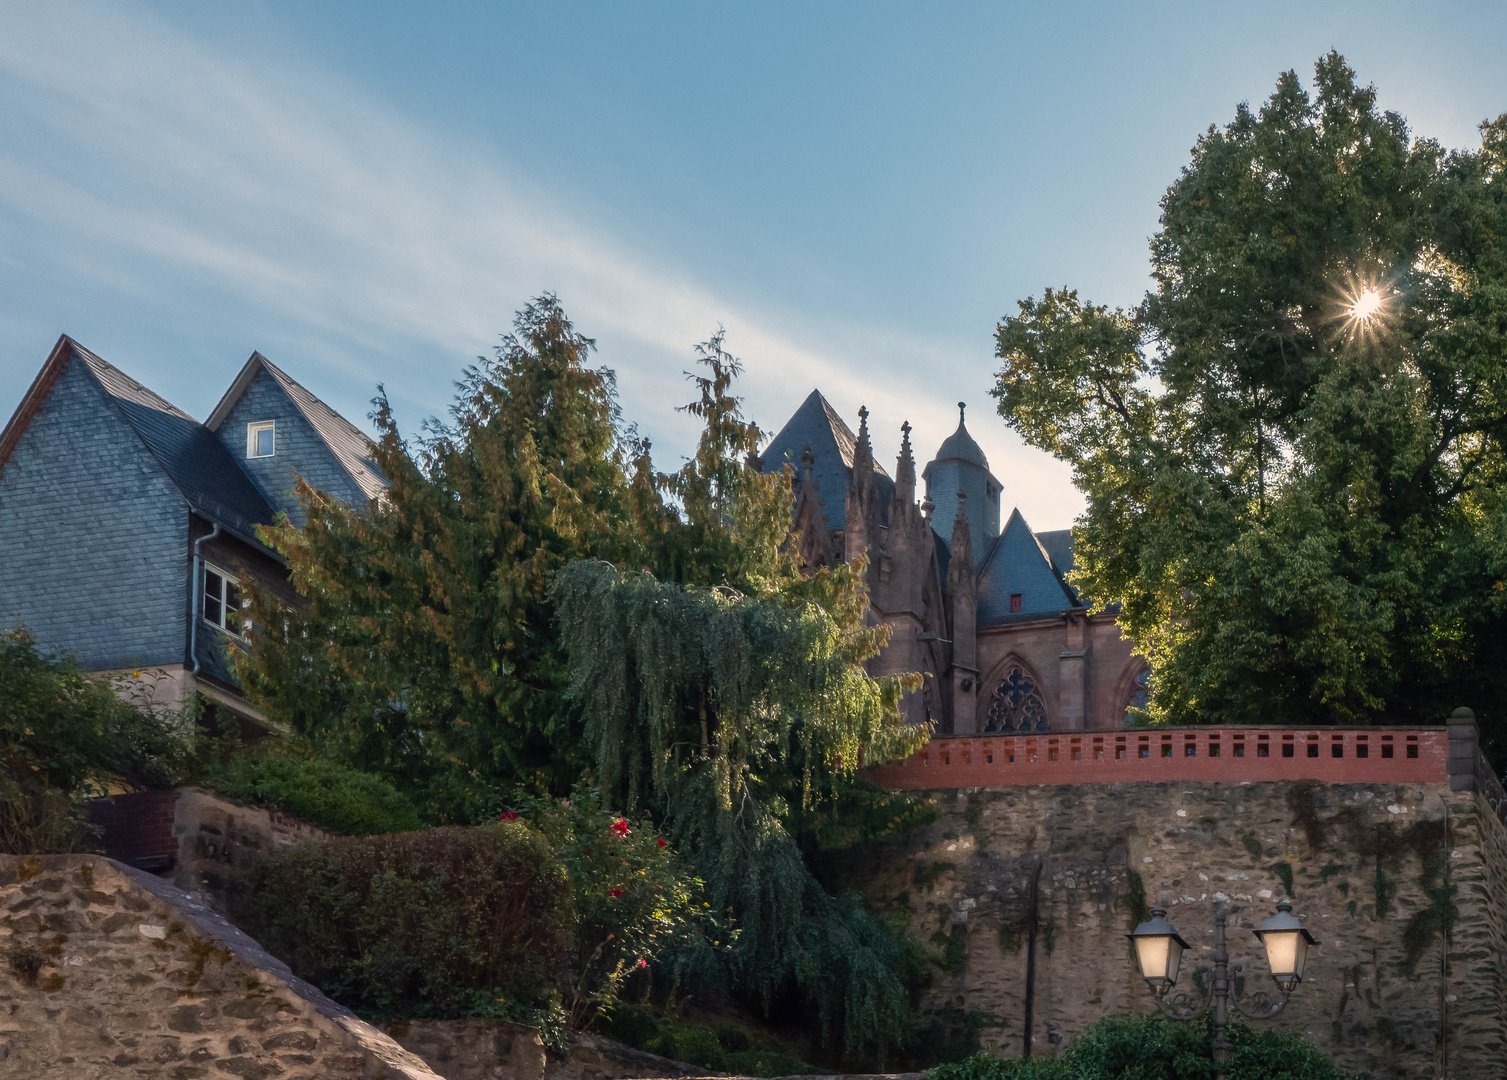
[833,446]
[1017,579]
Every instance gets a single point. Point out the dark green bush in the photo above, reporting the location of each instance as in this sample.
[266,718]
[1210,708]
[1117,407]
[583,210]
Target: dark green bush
[1124,1047]
[727,1049]
[418,924]
[65,736]
[322,793]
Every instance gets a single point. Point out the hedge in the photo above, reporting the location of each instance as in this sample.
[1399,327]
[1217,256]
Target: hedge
[418,924]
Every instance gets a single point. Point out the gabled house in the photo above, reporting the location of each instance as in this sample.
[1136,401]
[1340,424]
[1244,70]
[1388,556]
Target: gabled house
[128,529]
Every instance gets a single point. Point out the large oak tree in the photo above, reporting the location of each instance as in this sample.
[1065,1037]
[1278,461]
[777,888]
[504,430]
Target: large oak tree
[1293,448]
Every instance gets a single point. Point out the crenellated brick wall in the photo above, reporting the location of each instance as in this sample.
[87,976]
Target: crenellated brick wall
[1218,754]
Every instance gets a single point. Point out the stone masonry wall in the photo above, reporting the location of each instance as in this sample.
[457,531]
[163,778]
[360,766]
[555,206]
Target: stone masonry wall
[1369,867]
[110,972]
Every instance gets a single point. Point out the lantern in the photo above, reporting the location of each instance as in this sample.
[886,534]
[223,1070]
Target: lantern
[1286,942]
[1159,950]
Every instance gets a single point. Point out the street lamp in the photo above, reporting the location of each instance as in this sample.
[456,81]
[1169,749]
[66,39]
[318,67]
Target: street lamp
[1159,950]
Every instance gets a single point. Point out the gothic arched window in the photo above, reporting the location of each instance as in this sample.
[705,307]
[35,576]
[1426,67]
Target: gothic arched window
[1139,697]
[1016,704]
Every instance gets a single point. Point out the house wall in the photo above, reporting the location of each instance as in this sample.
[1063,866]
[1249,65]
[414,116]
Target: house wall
[93,535]
[247,564]
[299,450]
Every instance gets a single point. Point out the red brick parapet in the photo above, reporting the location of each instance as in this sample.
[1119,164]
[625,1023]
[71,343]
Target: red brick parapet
[1228,754]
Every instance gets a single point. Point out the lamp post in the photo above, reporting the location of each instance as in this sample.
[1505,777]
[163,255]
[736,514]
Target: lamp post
[1159,951]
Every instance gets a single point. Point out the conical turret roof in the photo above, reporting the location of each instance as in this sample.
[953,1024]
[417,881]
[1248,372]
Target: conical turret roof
[959,446]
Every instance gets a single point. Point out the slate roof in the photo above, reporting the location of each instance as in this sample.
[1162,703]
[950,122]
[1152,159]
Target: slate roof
[832,444]
[1019,563]
[1059,548]
[348,443]
[200,468]
[959,446]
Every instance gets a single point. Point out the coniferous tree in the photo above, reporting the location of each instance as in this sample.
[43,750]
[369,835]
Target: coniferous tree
[424,647]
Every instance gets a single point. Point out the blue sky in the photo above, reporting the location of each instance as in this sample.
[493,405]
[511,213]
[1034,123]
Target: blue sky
[367,191]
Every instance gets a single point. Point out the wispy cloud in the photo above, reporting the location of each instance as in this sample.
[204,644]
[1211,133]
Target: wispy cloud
[385,248]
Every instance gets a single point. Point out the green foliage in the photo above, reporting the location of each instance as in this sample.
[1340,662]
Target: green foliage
[419,924]
[730,1049]
[716,704]
[424,648]
[1252,843]
[1123,1047]
[637,905]
[1283,870]
[323,793]
[1437,918]
[64,736]
[527,549]
[1297,512]
[1135,899]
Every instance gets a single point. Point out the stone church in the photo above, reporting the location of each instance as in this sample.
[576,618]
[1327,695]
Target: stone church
[984,611]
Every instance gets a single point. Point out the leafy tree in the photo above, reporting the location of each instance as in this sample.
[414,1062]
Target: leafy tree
[424,648]
[64,737]
[1293,448]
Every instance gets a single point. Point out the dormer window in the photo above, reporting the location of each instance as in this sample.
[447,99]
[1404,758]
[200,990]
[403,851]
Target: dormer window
[261,439]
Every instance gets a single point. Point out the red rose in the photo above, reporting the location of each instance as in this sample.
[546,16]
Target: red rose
[508,815]
[661,842]
[619,827]
[617,892]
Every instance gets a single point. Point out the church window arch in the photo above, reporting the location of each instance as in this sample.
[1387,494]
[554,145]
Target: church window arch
[1137,695]
[1015,702]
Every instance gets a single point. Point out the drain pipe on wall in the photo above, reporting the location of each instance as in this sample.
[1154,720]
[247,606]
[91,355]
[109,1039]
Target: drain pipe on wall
[195,609]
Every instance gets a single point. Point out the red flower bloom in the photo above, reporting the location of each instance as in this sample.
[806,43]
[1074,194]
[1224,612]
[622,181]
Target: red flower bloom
[661,841]
[619,827]
[643,963]
[617,892]
[508,815]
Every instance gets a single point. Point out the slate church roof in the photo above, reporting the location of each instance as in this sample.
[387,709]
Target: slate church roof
[1017,561]
[1019,564]
[816,424]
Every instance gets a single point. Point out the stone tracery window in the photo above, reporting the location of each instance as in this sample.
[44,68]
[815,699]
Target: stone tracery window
[1016,704]
[1140,695]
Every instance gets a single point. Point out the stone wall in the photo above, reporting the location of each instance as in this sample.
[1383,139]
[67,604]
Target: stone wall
[1026,893]
[202,841]
[110,972]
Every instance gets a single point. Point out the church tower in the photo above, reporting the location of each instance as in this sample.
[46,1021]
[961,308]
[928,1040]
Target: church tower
[960,468]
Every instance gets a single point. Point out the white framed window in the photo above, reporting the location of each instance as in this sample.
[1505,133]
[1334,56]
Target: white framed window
[223,601]
[261,439]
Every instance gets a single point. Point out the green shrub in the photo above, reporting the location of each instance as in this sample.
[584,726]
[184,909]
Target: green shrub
[638,905]
[728,1049]
[64,737]
[322,793]
[418,924]
[1125,1047]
